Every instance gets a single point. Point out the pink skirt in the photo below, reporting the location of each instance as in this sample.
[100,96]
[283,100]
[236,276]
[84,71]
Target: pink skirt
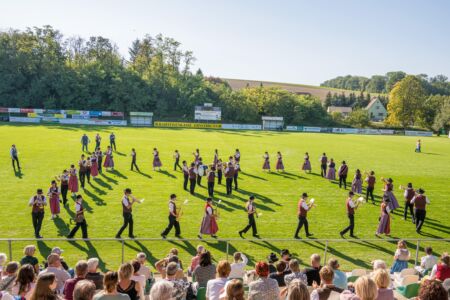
[94,169]
[385,224]
[280,165]
[357,186]
[209,225]
[54,205]
[73,184]
[331,175]
[109,162]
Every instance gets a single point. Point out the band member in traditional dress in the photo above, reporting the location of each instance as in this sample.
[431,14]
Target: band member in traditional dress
[201,168]
[176,158]
[82,169]
[266,164]
[14,157]
[109,162]
[173,218]
[94,165]
[99,155]
[73,180]
[342,173]
[64,179]
[133,160]
[251,212]
[302,213]
[351,207]
[219,168]
[127,210]
[216,157]
[323,165]
[88,169]
[229,174]
[84,143]
[279,166]
[306,164]
[331,174]
[192,178]
[37,202]
[237,156]
[237,170]
[209,223]
[196,155]
[420,202]
[418,146]
[370,179]
[98,140]
[185,170]
[384,226]
[388,190]
[80,220]
[409,195]
[156,160]
[53,195]
[112,141]
[357,182]
[211,177]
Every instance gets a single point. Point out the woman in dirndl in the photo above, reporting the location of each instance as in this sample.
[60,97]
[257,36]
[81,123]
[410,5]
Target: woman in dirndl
[266,164]
[401,257]
[331,174]
[53,195]
[73,180]
[384,226]
[388,191]
[156,161]
[306,164]
[279,166]
[357,182]
[209,224]
[109,162]
[94,166]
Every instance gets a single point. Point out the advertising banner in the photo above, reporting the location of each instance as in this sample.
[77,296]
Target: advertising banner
[187,125]
[311,129]
[293,128]
[106,114]
[117,114]
[14,110]
[24,120]
[141,114]
[208,113]
[377,131]
[93,122]
[418,133]
[3,109]
[345,130]
[32,115]
[26,110]
[95,113]
[242,126]
[39,110]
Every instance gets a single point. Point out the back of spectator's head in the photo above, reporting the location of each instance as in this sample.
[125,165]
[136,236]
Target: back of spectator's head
[365,288]
[333,263]
[125,271]
[445,258]
[432,290]
[171,269]
[136,265]
[81,268]
[237,256]
[174,259]
[12,267]
[173,251]
[25,275]
[84,290]
[200,249]
[297,290]
[235,290]
[3,258]
[382,278]
[110,281]
[272,258]
[141,257]
[223,269]
[161,290]
[205,259]
[285,254]
[262,269]
[280,266]
[429,250]
[326,274]
[315,260]
[92,264]
[401,244]
[294,265]
[379,264]
[53,259]
[43,288]
[29,250]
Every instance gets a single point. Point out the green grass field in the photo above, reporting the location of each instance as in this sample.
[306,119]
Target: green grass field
[45,151]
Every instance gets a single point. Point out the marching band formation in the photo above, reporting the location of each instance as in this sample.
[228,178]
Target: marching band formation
[91,166]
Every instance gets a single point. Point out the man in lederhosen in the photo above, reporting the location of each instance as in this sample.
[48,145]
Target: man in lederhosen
[82,169]
[176,157]
[37,202]
[127,213]
[99,155]
[133,160]
[323,165]
[409,195]
[251,212]
[211,178]
[80,220]
[302,213]
[185,170]
[84,142]
[350,207]
[229,174]
[14,157]
[192,178]
[173,222]
[98,140]
[370,179]
[237,169]
[342,173]
[112,141]
[420,202]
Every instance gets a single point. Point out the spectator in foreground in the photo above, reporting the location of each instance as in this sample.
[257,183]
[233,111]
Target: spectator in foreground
[379,264]
[432,290]
[109,291]
[29,258]
[93,274]
[238,266]
[427,262]
[81,269]
[327,290]
[179,286]
[161,290]
[59,251]
[365,289]
[312,273]
[45,287]
[297,290]
[234,290]
[401,257]
[383,281]
[126,284]
[294,266]
[340,278]
[196,259]
[280,273]
[264,288]
[3,260]
[143,270]
[55,267]
[25,282]
[161,265]
[205,271]
[286,257]
[215,286]
[441,271]
[271,260]
[10,274]
[138,278]
[84,290]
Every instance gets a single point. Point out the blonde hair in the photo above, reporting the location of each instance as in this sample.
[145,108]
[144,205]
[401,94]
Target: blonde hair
[315,258]
[3,258]
[382,278]
[401,245]
[294,265]
[223,268]
[235,290]
[366,289]
[161,290]
[29,250]
[327,274]
[125,271]
[297,290]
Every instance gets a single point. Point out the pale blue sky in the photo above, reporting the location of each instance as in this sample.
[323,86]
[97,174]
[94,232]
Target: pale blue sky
[286,41]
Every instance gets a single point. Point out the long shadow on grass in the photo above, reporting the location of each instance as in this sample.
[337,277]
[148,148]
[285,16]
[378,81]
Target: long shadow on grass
[98,201]
[44,250]
[185,245]
[109,179]
[90,251]
[18,174]
[119,153]
[62,226]
[167,174]
[141,248]
[103,183]
[118,174]
[234,196]
[143,174]
[258,196]
[96,189]
[253,176]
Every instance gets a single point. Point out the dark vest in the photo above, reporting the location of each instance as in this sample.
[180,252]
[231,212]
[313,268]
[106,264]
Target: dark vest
[420,202]
[410,194]
[211,176]
[126,209]
[192,174]
[37,208]
[350,210]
